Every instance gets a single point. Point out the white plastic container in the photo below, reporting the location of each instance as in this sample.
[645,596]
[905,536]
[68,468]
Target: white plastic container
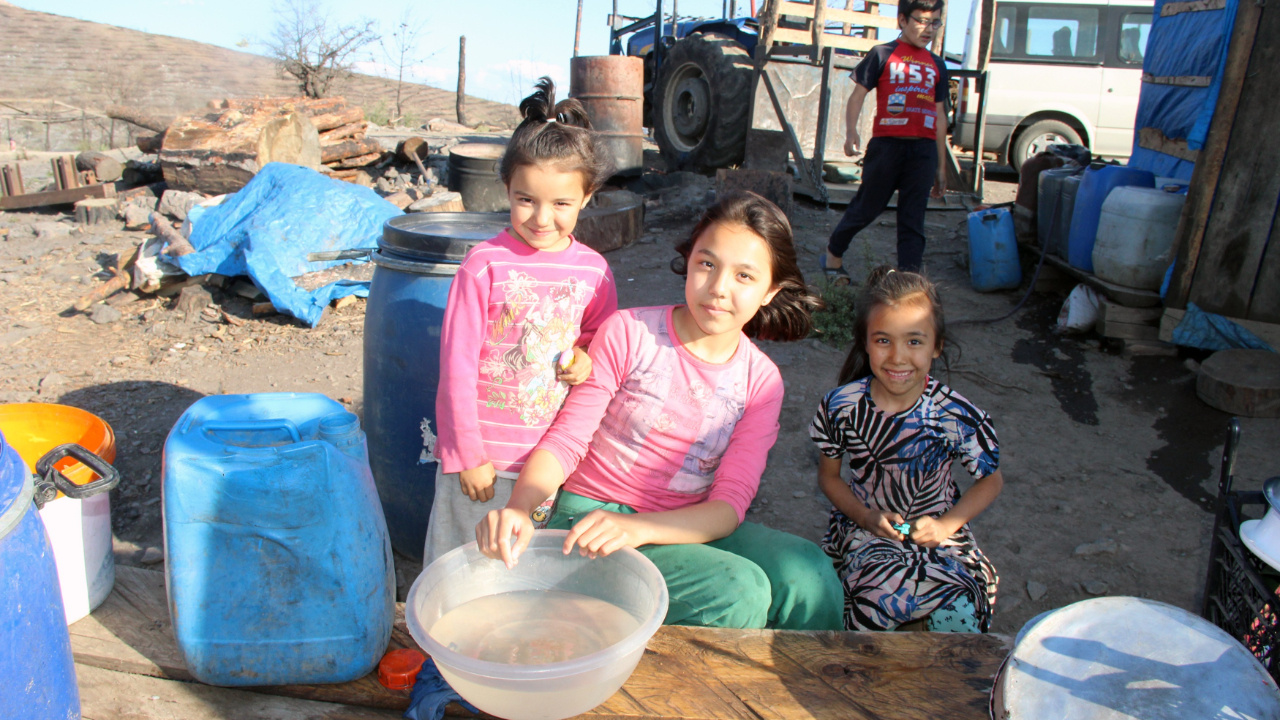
[552,690]
[80,533]
[1135,236]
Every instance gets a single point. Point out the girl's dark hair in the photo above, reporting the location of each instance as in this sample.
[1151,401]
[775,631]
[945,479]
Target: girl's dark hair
[889,286]
[556,133]
[788,316]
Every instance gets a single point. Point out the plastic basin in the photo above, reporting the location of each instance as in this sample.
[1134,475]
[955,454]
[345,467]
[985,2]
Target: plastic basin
[553,690]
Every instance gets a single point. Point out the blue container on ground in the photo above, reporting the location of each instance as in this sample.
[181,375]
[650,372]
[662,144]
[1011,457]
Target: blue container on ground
[278,566]
[993,251]
[1098,182]
[37,674]
[417,258]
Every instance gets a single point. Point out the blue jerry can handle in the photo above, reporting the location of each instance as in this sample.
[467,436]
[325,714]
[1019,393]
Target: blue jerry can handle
[990,215]
[255,426]
[50,480]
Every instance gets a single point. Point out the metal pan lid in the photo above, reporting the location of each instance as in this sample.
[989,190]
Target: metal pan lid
[444,236]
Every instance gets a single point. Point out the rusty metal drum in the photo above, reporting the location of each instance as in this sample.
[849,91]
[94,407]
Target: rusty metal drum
[473,172]
[611,88]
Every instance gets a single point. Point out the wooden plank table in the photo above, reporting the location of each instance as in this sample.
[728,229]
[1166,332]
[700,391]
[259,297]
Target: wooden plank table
[689,673]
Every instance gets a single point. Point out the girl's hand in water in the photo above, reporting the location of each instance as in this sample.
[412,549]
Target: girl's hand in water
[929,532]
[578,372]
[880,523]
[599,533]
[495,530]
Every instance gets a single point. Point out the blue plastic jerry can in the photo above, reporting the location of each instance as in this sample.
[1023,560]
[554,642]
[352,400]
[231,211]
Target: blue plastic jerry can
[279,567]
[993,251]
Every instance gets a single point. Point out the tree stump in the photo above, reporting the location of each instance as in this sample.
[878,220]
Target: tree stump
[98,211]
[440,202]
[1241,382]
[220,152]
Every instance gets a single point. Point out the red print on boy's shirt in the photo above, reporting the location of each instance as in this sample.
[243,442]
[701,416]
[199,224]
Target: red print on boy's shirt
[905,94]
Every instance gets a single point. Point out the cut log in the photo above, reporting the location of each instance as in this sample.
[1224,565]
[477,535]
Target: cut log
[357,161]
[98,211]
[413,148]
[106,168]
[220,152]
[1241,382]
[353,130]
[337,118]
[440,202]
[352,148]
[177,245]
[141,118]
[150,144]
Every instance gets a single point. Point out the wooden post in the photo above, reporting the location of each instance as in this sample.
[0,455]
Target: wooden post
[819,29]
[988,19]
[577,30]
[941,34]
[874,9]
[1208,170]
[462,80]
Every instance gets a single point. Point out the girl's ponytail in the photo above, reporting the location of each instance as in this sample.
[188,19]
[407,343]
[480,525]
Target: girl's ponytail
[558,133]
[886,285]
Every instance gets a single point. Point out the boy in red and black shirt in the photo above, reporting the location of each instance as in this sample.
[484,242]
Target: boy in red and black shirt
[907,150]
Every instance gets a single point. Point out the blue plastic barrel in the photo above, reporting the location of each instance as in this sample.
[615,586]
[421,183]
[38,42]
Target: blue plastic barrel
[278,566]
[1098,182]
[417,258]
[37,675]
[993,251]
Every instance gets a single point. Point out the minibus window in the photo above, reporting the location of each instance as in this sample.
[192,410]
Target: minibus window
[1002,43]
[1062,32]
[1134,29]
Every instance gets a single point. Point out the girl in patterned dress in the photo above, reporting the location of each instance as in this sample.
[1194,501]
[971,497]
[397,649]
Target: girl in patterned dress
[899,532]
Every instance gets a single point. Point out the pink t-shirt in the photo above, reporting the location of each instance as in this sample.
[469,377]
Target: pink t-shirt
[656,428]
[512,310]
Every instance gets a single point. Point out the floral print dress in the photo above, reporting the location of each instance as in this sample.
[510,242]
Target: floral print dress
[902,463]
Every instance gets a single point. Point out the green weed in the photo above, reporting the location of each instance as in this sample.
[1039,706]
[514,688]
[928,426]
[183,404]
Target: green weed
[834,324]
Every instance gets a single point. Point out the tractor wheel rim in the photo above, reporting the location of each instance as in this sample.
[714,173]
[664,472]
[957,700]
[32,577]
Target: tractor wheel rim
[688,107]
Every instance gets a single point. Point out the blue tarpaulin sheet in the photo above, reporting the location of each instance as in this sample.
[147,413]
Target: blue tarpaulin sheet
[1185,44]
[267,228]
[1208,331]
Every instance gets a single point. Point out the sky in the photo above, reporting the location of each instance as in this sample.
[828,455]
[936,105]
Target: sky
[510,43]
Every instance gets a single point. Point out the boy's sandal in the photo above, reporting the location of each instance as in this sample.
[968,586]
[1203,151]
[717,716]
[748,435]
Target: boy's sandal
[837,276]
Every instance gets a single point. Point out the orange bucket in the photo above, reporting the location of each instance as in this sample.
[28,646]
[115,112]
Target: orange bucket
[34,429]
[78,528]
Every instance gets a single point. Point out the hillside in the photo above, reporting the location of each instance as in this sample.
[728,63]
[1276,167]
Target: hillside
[92,65]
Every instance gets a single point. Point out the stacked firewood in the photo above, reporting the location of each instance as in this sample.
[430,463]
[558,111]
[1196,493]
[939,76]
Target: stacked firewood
[344,149]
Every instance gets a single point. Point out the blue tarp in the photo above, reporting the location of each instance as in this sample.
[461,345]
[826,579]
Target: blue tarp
[267,229]
[1188,44]
[1208,331]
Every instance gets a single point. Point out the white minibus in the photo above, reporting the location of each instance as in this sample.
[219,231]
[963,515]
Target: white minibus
[1063,71]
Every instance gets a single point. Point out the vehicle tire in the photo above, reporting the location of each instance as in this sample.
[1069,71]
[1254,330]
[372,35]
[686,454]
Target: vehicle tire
[1039,136]
[701,102]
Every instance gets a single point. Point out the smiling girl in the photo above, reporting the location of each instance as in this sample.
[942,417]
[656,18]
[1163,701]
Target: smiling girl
[521,309]
[899,532]
[662,449]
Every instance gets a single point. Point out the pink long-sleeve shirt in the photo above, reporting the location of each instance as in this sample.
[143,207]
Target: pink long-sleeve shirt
[512,310]
[656,428]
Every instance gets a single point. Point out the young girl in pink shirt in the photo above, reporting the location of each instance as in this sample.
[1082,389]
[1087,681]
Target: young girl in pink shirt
[521,309]
[663,447]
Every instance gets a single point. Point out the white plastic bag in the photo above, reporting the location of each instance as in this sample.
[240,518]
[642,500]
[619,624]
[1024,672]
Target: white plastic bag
[1080,311]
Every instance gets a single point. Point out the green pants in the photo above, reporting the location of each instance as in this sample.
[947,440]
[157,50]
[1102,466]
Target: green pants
[756,577]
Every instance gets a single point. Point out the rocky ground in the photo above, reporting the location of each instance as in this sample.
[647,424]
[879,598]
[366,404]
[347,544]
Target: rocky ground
[1111,461]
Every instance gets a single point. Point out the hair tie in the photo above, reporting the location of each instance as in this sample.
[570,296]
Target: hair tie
[891,270]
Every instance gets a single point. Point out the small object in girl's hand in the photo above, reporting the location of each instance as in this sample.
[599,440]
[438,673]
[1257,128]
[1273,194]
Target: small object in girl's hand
[904,528]
[565,359]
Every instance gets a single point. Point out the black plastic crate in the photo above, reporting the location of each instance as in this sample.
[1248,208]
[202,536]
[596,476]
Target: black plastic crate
[1239,589]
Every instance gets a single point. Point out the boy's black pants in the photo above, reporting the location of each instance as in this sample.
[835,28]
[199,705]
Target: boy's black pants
[908,165]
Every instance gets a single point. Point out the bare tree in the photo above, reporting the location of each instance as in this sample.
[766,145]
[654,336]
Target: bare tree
[401,53]
[310,46]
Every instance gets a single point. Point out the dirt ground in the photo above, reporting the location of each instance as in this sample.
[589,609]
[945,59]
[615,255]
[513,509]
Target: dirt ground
[1110,461]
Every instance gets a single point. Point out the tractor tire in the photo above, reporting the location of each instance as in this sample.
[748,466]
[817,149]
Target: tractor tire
[1039,136]
[701,102]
